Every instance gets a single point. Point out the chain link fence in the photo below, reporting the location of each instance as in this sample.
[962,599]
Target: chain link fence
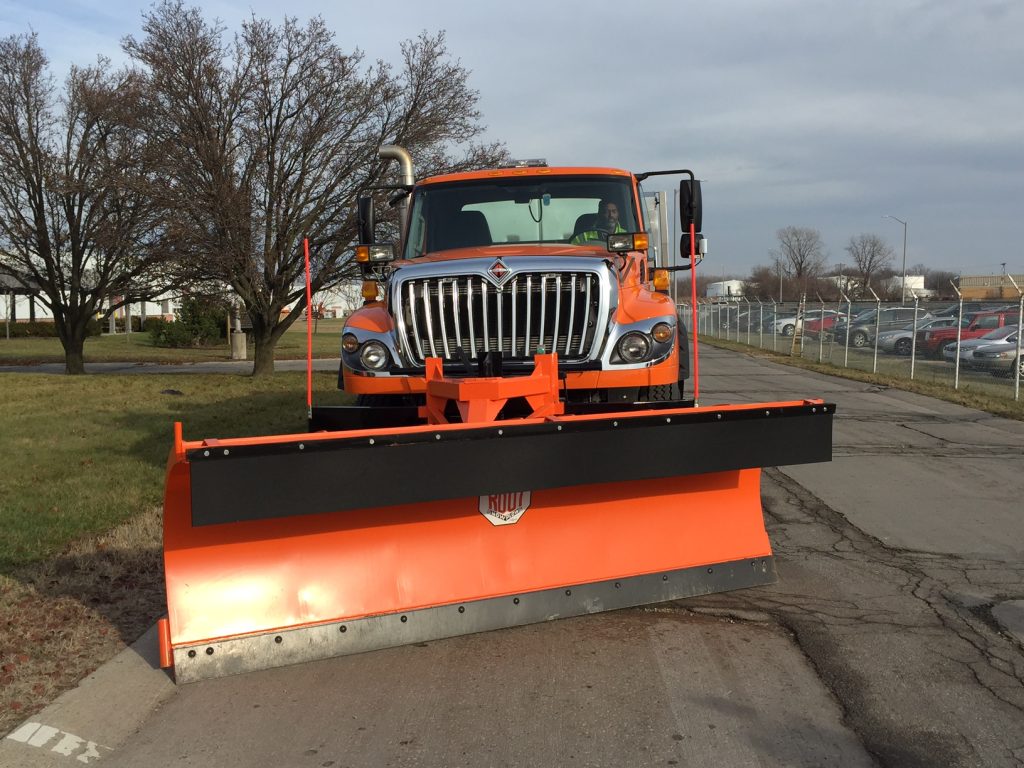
[966,344]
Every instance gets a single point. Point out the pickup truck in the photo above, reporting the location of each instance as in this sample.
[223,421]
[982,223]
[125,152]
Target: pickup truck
[931,341]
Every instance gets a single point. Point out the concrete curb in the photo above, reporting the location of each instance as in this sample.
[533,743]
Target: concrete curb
[90,721]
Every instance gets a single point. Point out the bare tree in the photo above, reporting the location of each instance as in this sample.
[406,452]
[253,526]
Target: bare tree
[870,255]
[764,282]
[801,253]
[267,138]
[939,280]
[74,219]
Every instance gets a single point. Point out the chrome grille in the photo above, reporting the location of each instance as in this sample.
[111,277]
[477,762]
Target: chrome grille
[553,311]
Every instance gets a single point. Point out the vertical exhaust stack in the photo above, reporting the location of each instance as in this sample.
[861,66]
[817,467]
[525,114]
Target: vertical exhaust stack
[401,154]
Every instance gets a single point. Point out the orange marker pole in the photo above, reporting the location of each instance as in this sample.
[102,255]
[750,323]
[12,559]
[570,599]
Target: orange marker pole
[693,310]
[309,335]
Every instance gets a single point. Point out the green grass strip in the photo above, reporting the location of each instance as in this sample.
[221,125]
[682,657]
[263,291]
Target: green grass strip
[81,454]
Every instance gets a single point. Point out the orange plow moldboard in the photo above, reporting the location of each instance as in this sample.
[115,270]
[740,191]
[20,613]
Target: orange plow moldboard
[290,548]
[264,593]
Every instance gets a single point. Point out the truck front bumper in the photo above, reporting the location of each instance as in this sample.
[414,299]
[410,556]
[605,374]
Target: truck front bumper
[665,372]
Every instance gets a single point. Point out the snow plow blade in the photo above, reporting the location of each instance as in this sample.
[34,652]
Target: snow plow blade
[285,549]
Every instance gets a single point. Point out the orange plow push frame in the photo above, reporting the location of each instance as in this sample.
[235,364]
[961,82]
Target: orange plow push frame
[290,548]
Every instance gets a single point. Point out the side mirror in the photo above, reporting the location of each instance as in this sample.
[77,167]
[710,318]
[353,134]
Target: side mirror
[684,246]
[690,208]
[367,224]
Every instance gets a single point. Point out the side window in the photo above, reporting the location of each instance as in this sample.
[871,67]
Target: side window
[644,215]
[417,231]
[991,321]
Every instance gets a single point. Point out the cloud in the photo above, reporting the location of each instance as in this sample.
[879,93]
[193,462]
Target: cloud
[821,114]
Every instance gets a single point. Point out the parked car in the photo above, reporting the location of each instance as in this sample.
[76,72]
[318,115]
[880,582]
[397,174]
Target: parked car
[770,317]
[999,357]
[932,342]
[998,336]
[899,341]
[746,319]
[815,325]
[861,330]
[787,325]
[969,306]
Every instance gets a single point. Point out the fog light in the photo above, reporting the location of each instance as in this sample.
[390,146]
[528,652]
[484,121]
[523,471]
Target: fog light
[634,347]
[349,342]
[662,332]
[374,355]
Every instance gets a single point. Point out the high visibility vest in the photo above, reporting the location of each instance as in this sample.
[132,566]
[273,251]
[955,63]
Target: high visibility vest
[591,235]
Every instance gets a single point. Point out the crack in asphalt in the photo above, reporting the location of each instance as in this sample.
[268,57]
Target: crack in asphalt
[976,452]
[886,629]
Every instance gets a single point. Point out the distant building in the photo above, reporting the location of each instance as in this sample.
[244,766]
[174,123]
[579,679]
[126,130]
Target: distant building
[998,287]
[915,286]
[19,303]
[20,299]
[729,290]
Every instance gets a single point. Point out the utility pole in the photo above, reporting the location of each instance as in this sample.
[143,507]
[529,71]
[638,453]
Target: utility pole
[903,287]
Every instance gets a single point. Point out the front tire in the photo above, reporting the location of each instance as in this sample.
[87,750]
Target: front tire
[1008,374]
[859,340]
[787,330]
[903,347]
[661,393]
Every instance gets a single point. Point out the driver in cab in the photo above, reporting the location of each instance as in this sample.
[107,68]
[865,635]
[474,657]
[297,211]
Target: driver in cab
[607,223]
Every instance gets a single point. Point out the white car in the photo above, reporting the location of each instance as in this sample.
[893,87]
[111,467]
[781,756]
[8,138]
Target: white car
[1000,358]
[997,337]
[787,325]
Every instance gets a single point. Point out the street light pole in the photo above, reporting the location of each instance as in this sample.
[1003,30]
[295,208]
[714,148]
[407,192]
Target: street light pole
[903,286]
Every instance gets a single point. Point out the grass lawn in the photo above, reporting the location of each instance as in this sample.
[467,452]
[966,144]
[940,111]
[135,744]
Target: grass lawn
[138,347]
[82,454]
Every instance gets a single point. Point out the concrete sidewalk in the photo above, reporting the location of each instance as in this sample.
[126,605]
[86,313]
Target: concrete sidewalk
[87,723]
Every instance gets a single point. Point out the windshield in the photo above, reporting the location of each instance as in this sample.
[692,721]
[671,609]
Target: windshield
[1001,333]
[939,322]
[532,210]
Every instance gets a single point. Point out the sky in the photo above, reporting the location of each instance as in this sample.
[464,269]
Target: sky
[829,115]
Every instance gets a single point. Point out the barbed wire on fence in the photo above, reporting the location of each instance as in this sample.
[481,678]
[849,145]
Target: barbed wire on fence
[927,340]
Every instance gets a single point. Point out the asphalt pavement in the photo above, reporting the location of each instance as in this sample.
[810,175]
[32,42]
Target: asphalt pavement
[893,637]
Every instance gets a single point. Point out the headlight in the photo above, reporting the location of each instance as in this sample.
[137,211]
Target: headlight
[349,343]
[634,347]
[374,355]
[662,332]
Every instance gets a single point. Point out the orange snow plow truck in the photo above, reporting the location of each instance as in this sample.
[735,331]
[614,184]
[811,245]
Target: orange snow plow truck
[521,448]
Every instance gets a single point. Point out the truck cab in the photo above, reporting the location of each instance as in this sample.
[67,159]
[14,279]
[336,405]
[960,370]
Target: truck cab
[496,266]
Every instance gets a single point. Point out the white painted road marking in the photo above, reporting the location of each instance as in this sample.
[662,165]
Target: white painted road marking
[69,745]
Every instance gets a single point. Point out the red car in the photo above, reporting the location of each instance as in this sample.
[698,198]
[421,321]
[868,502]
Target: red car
[814,326]
[931,342]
